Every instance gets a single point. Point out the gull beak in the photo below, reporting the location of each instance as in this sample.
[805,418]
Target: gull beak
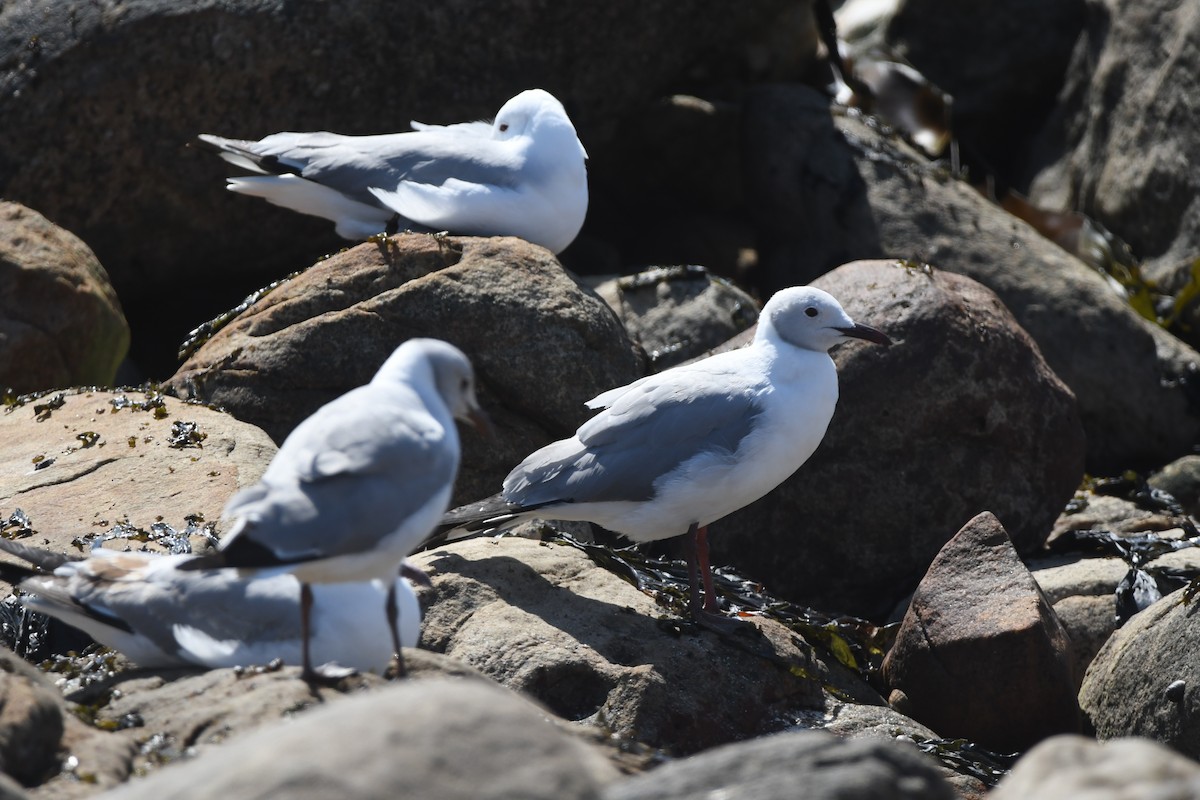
[481,422]
[867,333]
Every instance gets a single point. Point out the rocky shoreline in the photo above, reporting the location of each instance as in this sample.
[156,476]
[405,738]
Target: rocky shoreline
[987,618]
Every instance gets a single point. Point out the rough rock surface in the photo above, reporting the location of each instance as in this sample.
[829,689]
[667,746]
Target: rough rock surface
[806,764]
[447,739]
[1081,590]
[31,721]
[97,141]
[1181,479]
[1075,768]
[541,345]
[104,458]
[980,653]
[1123,134]
[678,313]
[827,189]
[914,450]
[60,321]
[1146,679]
[545,620]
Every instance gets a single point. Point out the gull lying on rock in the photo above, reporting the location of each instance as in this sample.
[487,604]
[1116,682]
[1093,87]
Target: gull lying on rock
[358,485]
[523,175]
[675,451]
[157,615]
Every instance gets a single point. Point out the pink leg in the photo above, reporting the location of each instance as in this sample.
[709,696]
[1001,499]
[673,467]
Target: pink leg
[710,596]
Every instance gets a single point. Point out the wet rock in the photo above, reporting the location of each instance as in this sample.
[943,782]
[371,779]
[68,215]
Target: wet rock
[1128,689]
[541,345]
[446,739]
[826,189]
[31,722]
[981,654]
[1181,479]
[1124,130]
[678,313]
[808,764]
[61,323]
[157,213]
[543,619]
[961,414]
[1075,767]
[80,464]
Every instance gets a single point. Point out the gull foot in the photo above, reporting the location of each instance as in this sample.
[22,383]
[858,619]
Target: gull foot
[328,674]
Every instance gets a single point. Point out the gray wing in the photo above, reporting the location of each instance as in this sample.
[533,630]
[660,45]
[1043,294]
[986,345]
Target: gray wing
[348,476]
[646,433]
[353,164]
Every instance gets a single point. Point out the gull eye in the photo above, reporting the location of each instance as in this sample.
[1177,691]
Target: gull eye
[811,311]
[503,127]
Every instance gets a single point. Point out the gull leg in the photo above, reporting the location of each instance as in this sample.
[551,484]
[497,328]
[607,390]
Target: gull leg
[306,601]
[393,617]
[702,562]
[690,550]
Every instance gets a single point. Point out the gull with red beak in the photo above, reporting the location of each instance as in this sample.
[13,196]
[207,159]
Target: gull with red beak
[675,451]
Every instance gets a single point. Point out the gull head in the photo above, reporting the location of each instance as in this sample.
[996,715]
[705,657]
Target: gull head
[811,319]
[537,114]
[448,369]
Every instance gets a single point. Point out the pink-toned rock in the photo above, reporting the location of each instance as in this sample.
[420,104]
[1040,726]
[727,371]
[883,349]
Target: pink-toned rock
[980,653]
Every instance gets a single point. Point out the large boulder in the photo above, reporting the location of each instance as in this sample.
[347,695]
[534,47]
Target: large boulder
[60,321]
[86,465]
[447,739]
[1144,681]
[99,104]
[541,345]
[545,620]
[980,654]
[1124,135]
[815,766]
[825,189]
[960,415]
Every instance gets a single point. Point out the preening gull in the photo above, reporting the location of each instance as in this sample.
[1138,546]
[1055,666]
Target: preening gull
[673,452]
[358,485]
[157,615]
[523,175]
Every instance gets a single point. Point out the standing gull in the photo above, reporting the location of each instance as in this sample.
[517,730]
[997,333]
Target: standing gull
[358,485]
[675,451]
[522,175]
[157,615]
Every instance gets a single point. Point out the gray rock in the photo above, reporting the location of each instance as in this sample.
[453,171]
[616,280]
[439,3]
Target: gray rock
[1125,128]
[541,345]
[1081,590]
[828,189]
[678,313]
[444,739]
[1003,64]
[1181,479]
[808,764]
[1125,692]
[980,653]
[1082,769]
[157,213]
[31,722]
[1092,511]
[61,323]
[961,414]
[543,619]
[109,458]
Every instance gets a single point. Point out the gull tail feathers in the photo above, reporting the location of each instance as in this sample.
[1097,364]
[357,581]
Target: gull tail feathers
[42,561]
[474,519]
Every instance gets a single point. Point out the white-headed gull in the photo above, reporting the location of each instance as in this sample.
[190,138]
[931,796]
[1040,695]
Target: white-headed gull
[675,451]
[142,605]
[523,175]
[358,485]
